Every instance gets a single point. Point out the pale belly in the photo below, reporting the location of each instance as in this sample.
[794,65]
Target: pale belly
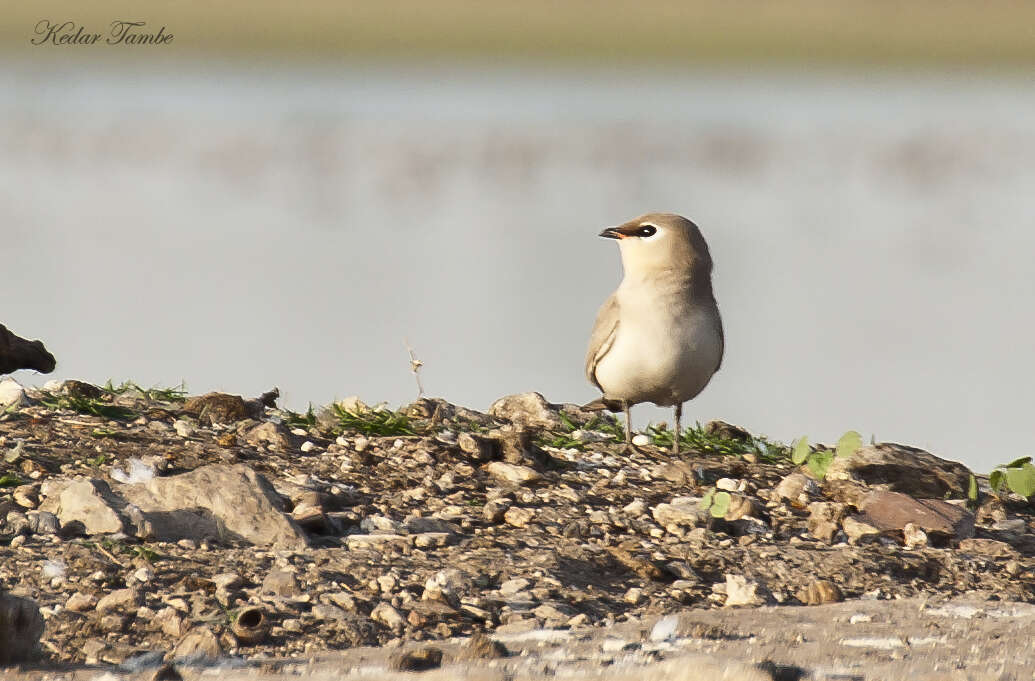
[660,358]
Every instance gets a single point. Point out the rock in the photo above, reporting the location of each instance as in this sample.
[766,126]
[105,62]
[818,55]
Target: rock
[859,532]
[166,672]
[513,586]
[268,433]
[199,644]
[914,536]
[380,523]
[494,510]
[640,440]
[636,507]
[281,583]
[515,446]
[679,472]
[688,513]
[183,427]
[80,602]
[891,511]
[481,647]
[419,660]
[513,474]
[988,547]
[428,540]
[18,353]
[740,507]
[214,408]
[518,517]
[729,485]
[122,600]
[376,541]
[420,525]
[796,487]
[170,622]
[480,447]
[741,591]
[819,592]
[908,470]
[21,626]
[387,615]
[43,522]
[527,409]
[231,503]
[824,517]
[90,503]
[12,394]
[727,431]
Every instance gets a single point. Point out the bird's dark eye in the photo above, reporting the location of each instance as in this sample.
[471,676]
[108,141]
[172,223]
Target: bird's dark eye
[647,230]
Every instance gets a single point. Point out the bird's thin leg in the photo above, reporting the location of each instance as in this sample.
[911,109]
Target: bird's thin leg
[628,423]
[675,435]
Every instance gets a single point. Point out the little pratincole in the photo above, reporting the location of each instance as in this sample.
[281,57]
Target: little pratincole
[658,338]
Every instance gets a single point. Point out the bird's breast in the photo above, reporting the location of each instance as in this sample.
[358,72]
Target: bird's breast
[666,349]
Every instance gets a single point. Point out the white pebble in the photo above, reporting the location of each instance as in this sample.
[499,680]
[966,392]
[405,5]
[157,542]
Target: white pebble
[641,440]
[728,484]
[307,446]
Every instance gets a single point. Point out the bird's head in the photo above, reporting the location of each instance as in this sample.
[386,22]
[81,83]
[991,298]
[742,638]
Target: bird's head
[661,241]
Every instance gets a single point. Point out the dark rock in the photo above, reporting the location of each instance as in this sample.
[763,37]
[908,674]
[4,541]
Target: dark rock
[727,431]
[18,353]
[214,408]
[81,389]
[21,626]
[892,511]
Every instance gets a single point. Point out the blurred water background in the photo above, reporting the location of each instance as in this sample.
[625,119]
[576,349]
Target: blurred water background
[238,221]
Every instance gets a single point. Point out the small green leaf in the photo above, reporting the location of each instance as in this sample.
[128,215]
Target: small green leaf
[801,451]
[819,462]
[720,504]
[1017,463]
[9,481]
[972,489]
[995,480]
[1021,480]
[706,500]
[849,444]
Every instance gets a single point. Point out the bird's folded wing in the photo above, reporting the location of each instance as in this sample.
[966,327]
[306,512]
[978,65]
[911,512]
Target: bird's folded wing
[602,338]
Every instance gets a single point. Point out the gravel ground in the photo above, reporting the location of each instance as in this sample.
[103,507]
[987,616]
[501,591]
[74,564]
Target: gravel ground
[528,524]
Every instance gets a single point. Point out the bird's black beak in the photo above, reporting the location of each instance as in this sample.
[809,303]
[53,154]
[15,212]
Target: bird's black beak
[612,233]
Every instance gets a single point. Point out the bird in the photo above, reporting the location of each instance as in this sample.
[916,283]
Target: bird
[659,337]
[17,353]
